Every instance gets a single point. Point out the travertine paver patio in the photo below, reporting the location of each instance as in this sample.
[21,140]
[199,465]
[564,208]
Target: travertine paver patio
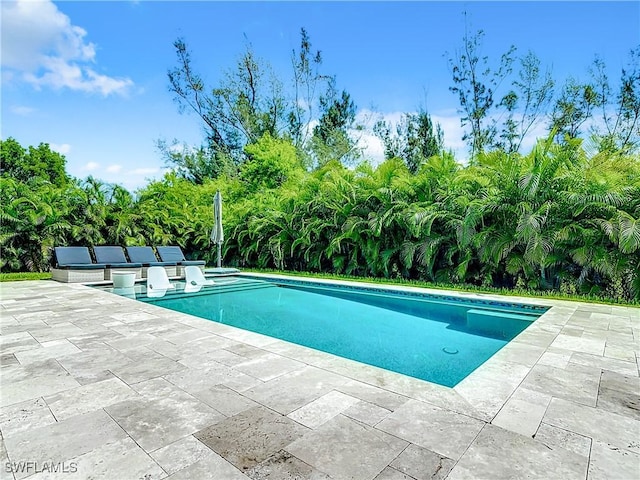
[100,386]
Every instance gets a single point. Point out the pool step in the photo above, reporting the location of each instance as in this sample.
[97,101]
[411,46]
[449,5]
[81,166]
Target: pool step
[223,288]
[208,290]
[496,324]
[233,287]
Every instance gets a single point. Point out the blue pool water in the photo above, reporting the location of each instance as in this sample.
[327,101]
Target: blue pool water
[440,339]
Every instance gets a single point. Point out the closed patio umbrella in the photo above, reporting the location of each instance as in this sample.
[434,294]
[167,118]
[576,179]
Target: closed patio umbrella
[217,234]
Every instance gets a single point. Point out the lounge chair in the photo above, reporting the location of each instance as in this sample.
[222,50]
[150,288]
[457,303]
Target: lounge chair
[147,257]
[113,257]
[74,264]
[174,253]
[193,276]
[158,282]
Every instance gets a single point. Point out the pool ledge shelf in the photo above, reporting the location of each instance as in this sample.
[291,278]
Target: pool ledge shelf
[496,324]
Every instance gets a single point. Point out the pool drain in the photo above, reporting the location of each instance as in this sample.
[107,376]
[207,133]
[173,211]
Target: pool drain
[449,350]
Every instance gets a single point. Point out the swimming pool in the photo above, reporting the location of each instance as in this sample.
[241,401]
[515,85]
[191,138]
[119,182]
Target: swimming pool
[438,338]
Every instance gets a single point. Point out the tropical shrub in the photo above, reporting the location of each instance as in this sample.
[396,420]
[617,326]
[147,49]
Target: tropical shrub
[556,219]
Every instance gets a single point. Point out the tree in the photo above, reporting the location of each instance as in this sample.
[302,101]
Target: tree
[415,139]
[247,103]
[36,216]
[196,164]
[620,114]
[307,79]
[122,220]
[573,108]
[33,164]
[526,104]
[331,138]
[271,163]
[475,84]
[190,93]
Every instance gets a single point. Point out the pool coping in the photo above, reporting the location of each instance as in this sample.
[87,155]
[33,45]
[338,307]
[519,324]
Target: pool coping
[412,292]
[480,388]
[519,391]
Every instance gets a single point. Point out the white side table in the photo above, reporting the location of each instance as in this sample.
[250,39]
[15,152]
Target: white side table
[123,279]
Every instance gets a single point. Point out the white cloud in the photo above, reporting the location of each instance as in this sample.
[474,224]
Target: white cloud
[449,121]
[181,148]
[22,110]
[91,166]
[538,131]
[62,148]
[42,47]
[302,103]
[114,168]
[372,147]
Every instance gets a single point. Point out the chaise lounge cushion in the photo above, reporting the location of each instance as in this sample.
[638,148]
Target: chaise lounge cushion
[113,257]
[146,257]
[74,264]
[174,253]
[75,258]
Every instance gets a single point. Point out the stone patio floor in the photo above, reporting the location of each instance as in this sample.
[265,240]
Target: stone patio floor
[94,385]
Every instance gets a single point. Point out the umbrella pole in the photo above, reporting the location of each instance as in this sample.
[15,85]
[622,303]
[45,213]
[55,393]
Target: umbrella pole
[219,255]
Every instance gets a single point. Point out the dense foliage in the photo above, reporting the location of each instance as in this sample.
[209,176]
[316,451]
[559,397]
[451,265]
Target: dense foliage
[564,216]
[554,219]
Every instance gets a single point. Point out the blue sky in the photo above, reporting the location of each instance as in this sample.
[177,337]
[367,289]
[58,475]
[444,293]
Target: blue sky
[90,78]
